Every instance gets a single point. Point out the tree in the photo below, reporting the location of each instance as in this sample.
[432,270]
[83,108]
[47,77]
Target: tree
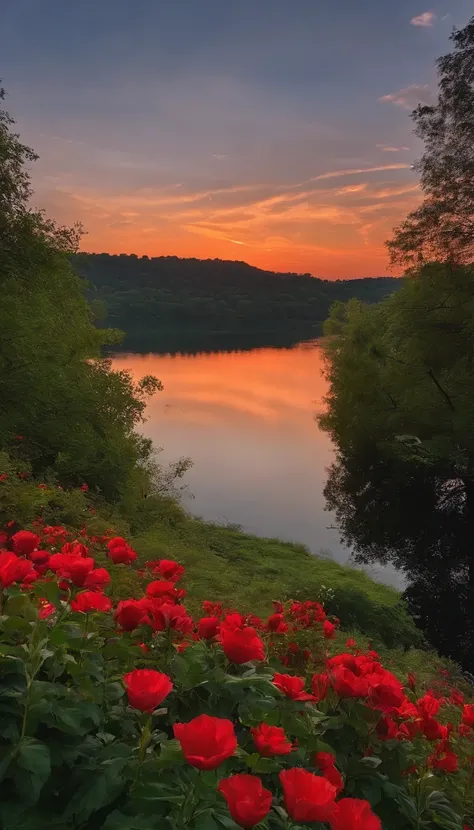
[75,416]
[400,411]
[442,228]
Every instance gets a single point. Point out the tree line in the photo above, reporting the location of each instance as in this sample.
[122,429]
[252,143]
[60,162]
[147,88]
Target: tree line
[401,373]
[175,304]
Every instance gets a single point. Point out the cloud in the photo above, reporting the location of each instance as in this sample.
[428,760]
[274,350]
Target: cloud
[409,97]
[426,20]
[387,148]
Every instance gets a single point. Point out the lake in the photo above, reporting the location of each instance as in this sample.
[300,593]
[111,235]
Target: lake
[247,420]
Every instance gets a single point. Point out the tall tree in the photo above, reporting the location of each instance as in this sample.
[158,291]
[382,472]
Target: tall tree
[401,373]
[76,416]
[442,228]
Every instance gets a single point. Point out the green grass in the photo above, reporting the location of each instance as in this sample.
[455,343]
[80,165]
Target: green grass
[247,572]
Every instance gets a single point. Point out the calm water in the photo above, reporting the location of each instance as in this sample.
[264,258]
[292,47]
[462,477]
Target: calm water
[247,419]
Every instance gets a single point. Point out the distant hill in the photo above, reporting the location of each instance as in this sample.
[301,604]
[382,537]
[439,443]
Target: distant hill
[173,304]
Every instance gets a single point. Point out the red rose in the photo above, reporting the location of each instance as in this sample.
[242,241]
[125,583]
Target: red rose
[13,569]
[40,560]
[385,692]
[158,588]
[97,579]
[24,542]
[130,613]
[433,730]
[428,705]
[208,628]
[120,552]
[444,759]
[45,609]
[146,688]
[168,569]
[319,685]
[329,630]
[325,761]
[84,488]
[356,814]
[168,616]
[89,601]
[75,548]
[468,714]
[292,687]
[74,568]
[308,797]
[248,800]
[277,624]
[241,645]
[270,740]
[206,742]
[346,684]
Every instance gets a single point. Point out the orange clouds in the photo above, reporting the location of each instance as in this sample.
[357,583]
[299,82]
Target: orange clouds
[322,225]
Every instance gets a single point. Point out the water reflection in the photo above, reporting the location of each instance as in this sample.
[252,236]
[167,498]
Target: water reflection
[247,421]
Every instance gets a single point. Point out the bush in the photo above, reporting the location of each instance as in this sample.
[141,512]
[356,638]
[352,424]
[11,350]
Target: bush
[138,716]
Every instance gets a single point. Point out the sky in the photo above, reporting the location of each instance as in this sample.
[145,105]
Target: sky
[272,131]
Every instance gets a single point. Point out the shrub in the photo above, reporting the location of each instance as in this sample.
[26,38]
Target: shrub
[141,717]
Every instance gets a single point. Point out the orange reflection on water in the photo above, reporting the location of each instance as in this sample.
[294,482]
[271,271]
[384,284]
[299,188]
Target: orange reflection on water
[283,388]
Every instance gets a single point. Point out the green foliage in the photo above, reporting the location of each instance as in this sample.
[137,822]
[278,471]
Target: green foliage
[173,304]
[75,416]
[400,410]
[441,228]
[247,572]
[74,754]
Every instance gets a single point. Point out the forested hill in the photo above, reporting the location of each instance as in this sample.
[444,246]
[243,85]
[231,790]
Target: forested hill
[191,304]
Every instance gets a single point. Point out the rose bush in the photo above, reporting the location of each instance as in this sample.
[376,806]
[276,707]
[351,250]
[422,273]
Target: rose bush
[137,716]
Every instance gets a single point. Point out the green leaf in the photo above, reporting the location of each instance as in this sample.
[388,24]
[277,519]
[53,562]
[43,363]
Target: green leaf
[49,591]
[34,757]
[171,753]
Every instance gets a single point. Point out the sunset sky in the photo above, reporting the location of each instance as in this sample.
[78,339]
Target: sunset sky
[273,131]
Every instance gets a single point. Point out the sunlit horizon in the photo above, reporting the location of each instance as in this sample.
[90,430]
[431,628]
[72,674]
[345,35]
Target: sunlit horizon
[274,133]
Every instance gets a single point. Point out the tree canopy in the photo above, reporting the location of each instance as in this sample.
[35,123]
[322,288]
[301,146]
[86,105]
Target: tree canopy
[401,374]
[442,227]
[168,303]
[63,411]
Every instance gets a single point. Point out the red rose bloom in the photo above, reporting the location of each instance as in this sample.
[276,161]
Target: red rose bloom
[40,559]
[89,601]
[120,552]
[130,613]
[13,569]
[468,714]
[241,645]
[319,685]
[168,569]
[308,797]
[97,579]
[24,542]
[329,630]
[248,800]
[292,687]
[208,628]
[206,742]
[444,759]
[326,763]
[168,616]
[277,624]
[428,705]
[356,814]
[433,730]
[270,740]
[75,548]
[146,688]
[158,588]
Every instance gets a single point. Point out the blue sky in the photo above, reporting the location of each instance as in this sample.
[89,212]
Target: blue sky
[275,131]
